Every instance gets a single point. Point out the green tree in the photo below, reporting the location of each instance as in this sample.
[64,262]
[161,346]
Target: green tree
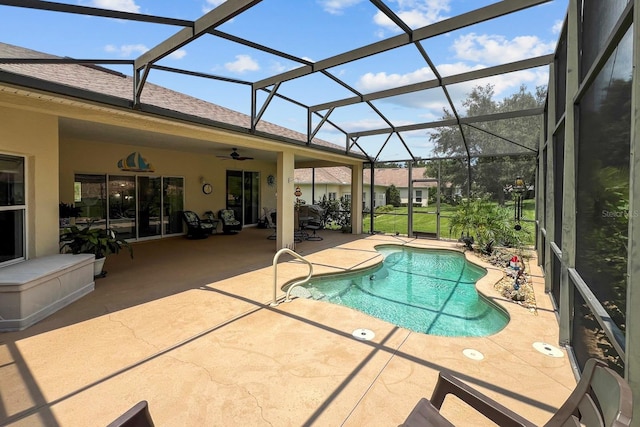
[393,196]
[489,170]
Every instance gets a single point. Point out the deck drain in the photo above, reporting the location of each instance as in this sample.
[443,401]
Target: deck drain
[548,349]
[363,334]
[473,354]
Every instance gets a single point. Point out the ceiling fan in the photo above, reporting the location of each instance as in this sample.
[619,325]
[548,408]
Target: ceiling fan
[235,156]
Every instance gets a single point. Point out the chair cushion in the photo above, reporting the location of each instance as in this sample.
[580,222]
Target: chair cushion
[228,217]
[191,217]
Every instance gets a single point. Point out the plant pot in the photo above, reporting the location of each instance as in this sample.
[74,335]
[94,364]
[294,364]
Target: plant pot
[97,266]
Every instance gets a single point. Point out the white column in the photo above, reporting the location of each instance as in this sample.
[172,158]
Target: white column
[285,200]
[356,199]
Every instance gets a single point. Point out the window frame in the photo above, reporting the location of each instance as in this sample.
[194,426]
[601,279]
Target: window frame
[19,208]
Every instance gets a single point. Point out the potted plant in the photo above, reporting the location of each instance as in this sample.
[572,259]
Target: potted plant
[66,212]
[97,241]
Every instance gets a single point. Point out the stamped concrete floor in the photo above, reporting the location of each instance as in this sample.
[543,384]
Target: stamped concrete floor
[188,327]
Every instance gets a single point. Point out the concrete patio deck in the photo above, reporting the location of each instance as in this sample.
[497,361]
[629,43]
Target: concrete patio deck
[187,326]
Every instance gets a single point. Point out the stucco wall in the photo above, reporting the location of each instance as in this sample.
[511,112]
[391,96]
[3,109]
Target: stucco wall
[35,136]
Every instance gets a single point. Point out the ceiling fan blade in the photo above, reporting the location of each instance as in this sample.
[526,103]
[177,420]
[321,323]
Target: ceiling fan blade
[234,156]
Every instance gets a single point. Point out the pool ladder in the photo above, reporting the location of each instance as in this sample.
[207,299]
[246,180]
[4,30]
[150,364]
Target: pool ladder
[293,285]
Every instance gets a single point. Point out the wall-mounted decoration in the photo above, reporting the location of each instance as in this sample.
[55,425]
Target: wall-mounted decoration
[271,180]
[207,188]
[134,162]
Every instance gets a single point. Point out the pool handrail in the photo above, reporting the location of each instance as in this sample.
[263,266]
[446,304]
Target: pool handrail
[275,302]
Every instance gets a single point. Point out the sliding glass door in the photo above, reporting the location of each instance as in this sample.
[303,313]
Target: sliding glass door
[243,195]
[136,207]
[149,206]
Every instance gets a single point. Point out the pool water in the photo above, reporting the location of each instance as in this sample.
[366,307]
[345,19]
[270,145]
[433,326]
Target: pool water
[424,290]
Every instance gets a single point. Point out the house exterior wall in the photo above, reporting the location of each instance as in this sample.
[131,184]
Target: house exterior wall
[323,190]
[188,165]
[404,196]
[35,136]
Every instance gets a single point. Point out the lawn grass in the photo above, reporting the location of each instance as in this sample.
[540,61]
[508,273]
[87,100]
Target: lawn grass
[396,221]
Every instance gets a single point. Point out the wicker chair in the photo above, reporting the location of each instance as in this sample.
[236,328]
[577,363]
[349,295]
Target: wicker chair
[196,228]
[230,224]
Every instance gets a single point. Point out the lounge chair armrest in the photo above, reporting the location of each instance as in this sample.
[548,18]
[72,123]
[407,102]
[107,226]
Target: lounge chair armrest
[448,384]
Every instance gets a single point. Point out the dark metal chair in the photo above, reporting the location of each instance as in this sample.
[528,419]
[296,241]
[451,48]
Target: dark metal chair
[315,222]
[271,220]
[137,416]
[196,229]
[601,398]
[229,222]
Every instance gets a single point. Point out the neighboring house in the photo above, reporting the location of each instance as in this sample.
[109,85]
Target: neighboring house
[335,182]
[385,177]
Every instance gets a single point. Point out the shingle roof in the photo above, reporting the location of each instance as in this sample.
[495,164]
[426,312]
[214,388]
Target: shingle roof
[108,82]
[328,175]
[342,175]
[398,177]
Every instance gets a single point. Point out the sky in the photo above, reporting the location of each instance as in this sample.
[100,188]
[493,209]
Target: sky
[311,30]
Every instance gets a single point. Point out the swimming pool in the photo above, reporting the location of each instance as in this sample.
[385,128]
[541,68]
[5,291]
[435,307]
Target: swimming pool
[425,290]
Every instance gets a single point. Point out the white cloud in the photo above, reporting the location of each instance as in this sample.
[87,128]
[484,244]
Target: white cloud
[242,64]
[373,82]
[120,5]
[177,54]
[335,7]
[127,50]
[211,4]
[415,13]
[277,67]
[432,101]
[557,26]
[497,49]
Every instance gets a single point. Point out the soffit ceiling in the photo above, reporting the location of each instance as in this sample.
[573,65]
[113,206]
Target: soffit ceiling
[317,87]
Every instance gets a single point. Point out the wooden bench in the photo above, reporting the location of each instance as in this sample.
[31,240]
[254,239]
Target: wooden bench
[36,288]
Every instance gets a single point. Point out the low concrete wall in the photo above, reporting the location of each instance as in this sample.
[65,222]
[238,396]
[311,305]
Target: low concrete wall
[34,289]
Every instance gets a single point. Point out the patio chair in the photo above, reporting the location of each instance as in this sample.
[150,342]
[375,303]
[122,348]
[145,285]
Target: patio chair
[601,398]
[230,224]
[271,220]
[315,222]
[196,228]
[137,416]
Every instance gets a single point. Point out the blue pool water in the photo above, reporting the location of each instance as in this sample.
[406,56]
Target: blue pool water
[428,291]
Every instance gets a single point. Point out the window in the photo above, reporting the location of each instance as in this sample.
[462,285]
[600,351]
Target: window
[418,196]
[332,196]
[602,198]
[12,209]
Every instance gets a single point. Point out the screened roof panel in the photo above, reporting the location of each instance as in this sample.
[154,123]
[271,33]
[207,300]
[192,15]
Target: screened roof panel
[316,88]
[411,108]
[512,136]
[403,58]
[338,26]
